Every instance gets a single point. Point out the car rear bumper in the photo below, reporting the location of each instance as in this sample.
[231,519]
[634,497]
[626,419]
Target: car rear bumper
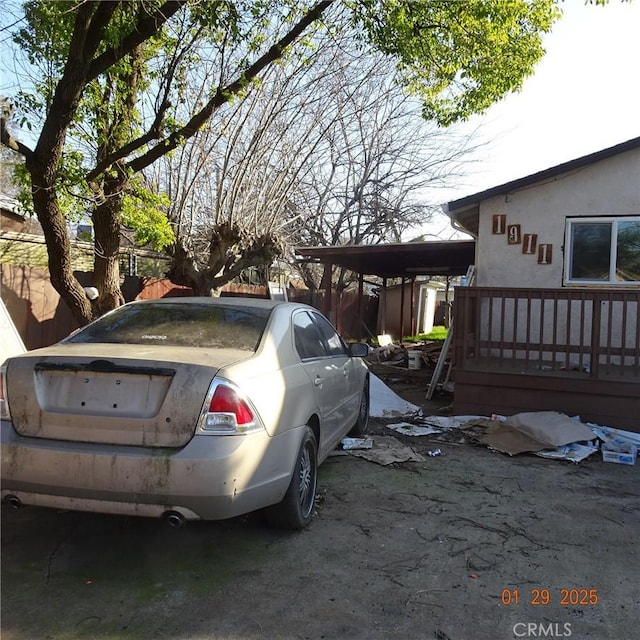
[211,478]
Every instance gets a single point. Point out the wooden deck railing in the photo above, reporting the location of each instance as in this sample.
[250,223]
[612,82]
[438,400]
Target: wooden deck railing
[576,332]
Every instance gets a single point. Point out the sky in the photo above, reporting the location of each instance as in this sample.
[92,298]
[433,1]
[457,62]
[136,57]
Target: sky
[583,97]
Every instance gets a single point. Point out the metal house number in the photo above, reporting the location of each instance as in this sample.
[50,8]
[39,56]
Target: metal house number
[528,241]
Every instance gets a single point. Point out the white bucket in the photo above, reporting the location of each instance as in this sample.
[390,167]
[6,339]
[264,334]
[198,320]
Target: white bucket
[415,359]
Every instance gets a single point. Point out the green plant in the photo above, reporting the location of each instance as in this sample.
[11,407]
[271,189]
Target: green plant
[437,333]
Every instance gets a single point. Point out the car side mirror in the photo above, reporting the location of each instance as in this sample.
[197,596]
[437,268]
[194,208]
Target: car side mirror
[359,349]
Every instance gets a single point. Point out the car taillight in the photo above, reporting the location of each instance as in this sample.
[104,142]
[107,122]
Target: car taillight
[228,412]
[4,405]
[226,400]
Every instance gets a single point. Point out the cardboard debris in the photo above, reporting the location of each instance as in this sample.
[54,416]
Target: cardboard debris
[550,427]
[508,439]
[387,450]
[548,434]
[537,431]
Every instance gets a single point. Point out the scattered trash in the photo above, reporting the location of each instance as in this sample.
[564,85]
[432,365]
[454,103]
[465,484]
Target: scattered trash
[576,366]
[385,340]
[609,434]
[555,429]
[387,450]
[434,453]
[547,434]
[388,352]
[387,404]
[572,452]
[409,429]
[356,443]
[619,452]
[414,359]
[449,386]
[537,431]
[449,422]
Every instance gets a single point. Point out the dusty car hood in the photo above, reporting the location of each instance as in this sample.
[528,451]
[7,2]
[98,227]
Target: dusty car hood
[113,393]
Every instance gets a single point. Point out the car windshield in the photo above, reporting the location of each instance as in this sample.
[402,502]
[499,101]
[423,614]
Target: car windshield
[179,325]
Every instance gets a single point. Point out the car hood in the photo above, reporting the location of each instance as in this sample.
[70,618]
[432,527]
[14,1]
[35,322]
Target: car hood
[113,393]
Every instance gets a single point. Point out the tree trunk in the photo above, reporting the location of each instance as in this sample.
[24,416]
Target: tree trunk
[106,228]
[54,227]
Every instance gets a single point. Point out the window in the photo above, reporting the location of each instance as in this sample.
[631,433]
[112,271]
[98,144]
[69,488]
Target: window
[315,337]
[179,325]
[309,343]
[603,251]
[335,346]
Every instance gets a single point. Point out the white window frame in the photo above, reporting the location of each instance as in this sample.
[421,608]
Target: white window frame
[614,220]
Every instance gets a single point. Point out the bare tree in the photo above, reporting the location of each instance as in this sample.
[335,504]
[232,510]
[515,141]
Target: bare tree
[375,168]
[326,150]
[232,187]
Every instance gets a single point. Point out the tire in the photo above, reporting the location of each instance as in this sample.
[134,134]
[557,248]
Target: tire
[361,427]
[296,509]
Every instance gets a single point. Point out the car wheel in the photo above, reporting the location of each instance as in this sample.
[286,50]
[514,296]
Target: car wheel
[361,426]
[296,509]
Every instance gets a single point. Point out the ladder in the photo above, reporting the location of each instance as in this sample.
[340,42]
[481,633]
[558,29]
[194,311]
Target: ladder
[446,347]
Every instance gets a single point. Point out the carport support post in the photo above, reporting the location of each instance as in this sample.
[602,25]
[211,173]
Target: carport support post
[360,294]
[383,306]
[401,308]
[412,305]
[326,285]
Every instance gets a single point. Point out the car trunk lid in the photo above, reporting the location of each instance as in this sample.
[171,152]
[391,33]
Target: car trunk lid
[106,394]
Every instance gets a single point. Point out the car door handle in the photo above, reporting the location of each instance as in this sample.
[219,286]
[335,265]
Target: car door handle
[318,381]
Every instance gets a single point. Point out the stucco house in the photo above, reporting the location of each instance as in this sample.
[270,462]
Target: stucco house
[553,319]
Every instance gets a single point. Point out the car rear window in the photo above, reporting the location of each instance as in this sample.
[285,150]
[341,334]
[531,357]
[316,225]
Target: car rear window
[179,325]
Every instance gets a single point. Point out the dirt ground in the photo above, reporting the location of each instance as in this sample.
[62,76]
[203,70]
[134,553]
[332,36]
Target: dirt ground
[469,545]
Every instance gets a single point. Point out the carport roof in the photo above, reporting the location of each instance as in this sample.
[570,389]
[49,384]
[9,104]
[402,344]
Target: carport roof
[447,258]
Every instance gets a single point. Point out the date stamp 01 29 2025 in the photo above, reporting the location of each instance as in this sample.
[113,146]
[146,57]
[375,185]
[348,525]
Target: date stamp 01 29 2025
[545,597]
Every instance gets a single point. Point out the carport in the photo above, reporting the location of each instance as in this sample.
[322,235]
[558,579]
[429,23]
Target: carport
[405,261]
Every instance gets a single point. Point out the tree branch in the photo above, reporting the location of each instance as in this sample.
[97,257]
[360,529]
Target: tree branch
[223,95]
[154,130]
[88,31]
[140,32]
[9,141]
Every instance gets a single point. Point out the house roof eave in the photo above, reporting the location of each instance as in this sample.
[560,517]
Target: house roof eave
[465,211]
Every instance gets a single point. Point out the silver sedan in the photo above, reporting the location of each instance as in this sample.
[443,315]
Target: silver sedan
[183,408]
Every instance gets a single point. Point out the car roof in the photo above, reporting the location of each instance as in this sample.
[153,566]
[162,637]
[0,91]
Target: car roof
[262,303]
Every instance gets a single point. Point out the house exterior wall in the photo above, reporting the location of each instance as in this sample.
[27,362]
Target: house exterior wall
[608,187]
[524,338]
